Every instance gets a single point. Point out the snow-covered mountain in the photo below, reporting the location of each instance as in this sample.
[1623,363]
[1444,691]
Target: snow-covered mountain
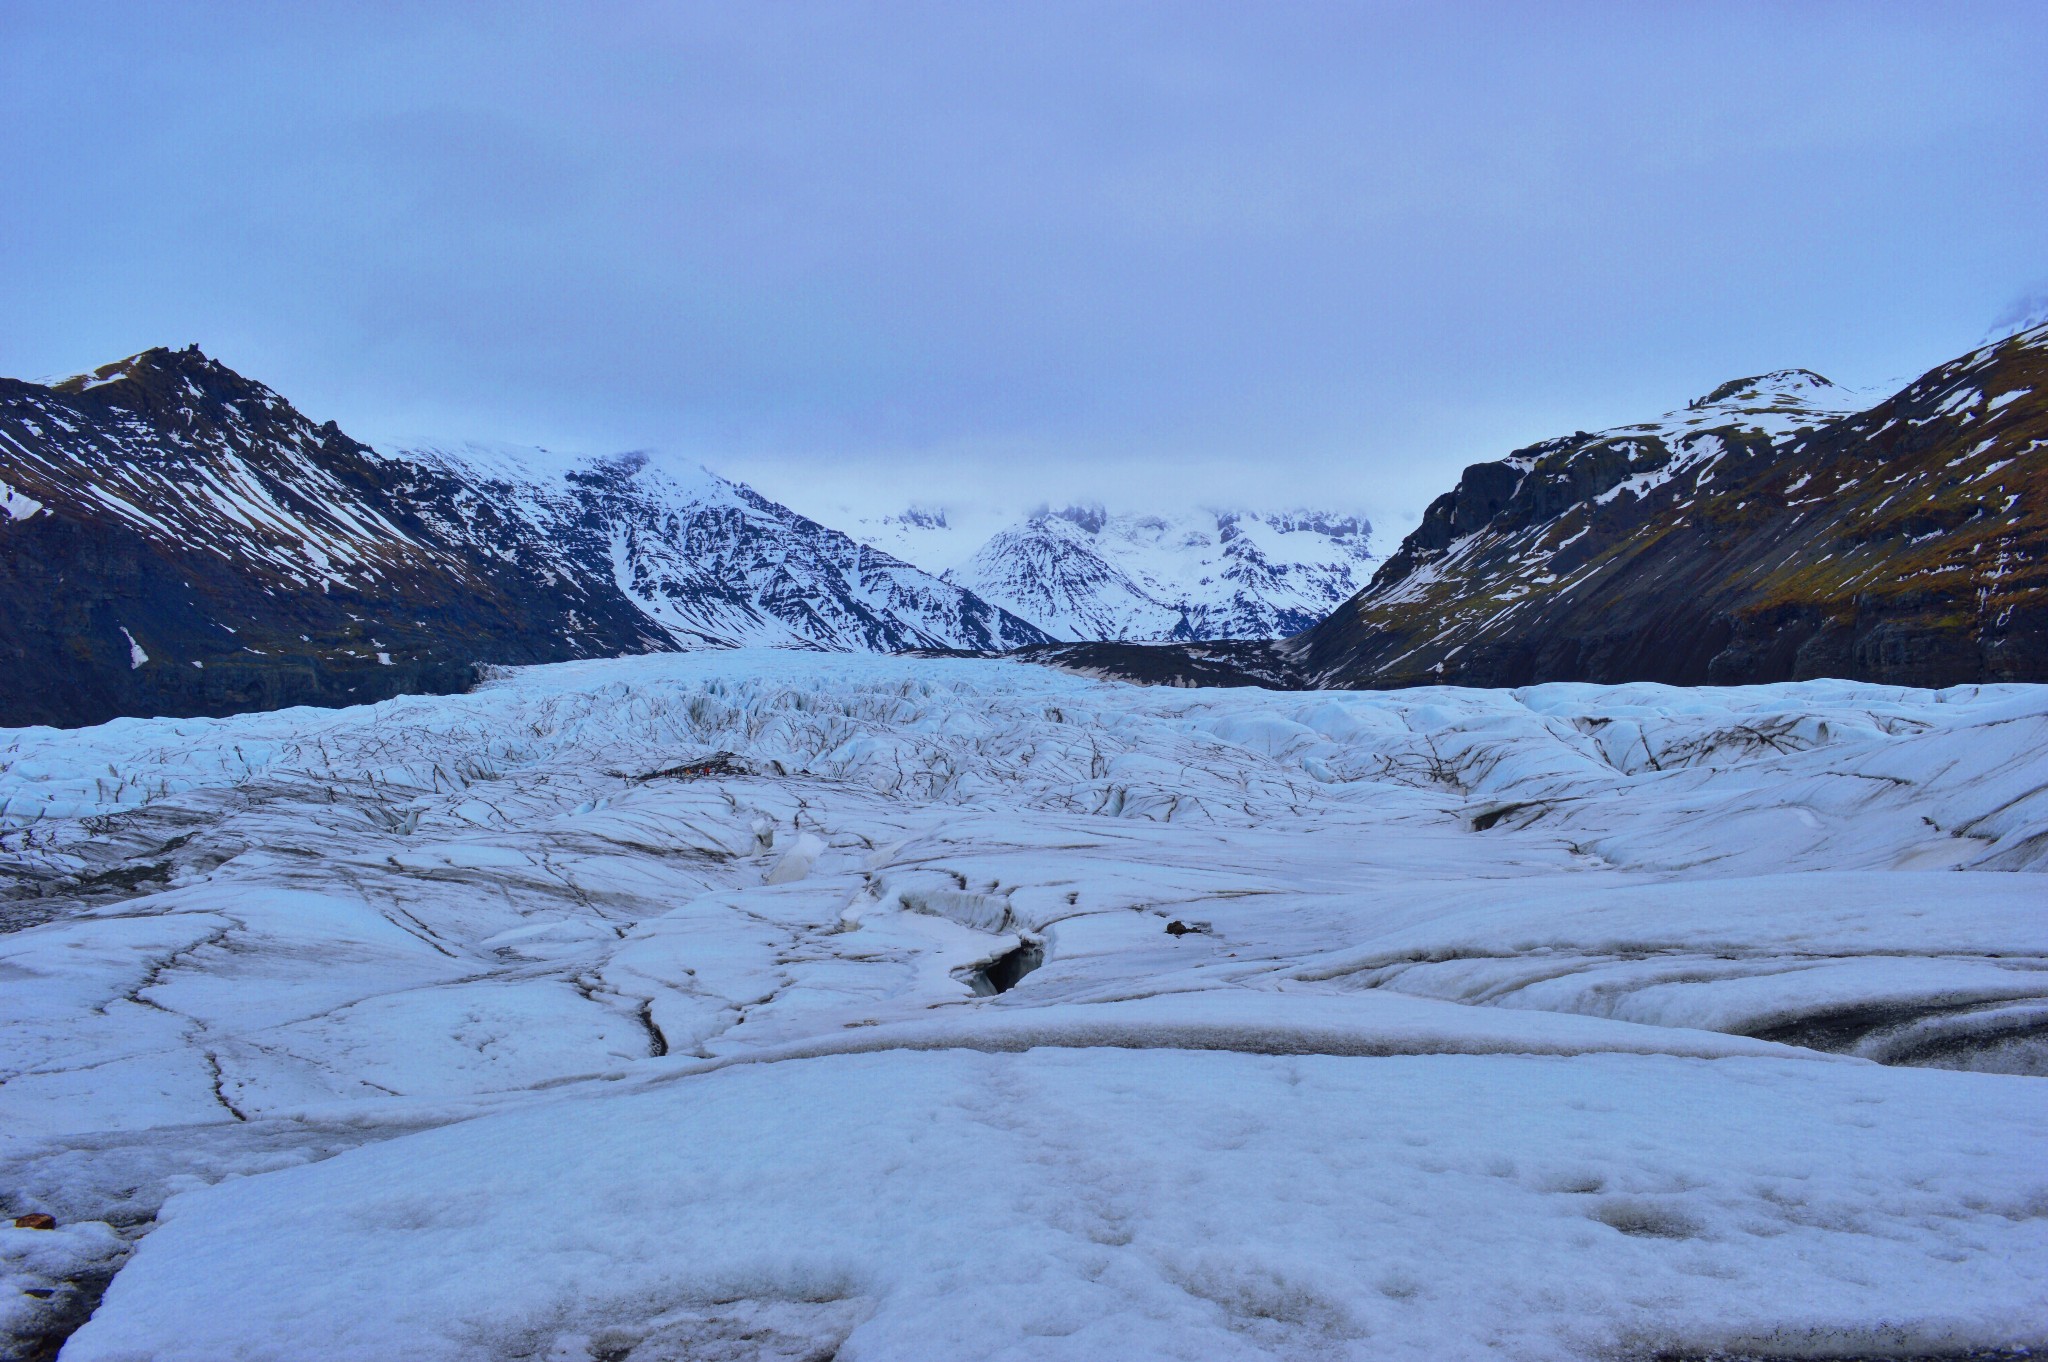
[716,564]
[936,538]
[1763,533]
[1082,573]
[177,539]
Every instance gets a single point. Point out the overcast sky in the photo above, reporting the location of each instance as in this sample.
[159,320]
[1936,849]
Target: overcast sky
[867,254]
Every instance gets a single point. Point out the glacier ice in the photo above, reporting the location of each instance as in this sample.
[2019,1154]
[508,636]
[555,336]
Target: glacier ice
[1565,1022]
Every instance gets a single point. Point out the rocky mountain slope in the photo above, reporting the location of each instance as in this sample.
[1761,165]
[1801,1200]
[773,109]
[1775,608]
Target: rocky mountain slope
[716,564]
[1760,534]
[1755,536]
[177,539]
[1081,573]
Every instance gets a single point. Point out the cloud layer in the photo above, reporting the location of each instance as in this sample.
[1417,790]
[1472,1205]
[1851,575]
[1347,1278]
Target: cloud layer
[868,254]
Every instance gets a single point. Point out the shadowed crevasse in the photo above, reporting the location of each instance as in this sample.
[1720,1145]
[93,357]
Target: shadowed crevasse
[1003,973]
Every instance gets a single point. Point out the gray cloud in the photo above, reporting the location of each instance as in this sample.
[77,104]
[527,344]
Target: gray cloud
[861,254]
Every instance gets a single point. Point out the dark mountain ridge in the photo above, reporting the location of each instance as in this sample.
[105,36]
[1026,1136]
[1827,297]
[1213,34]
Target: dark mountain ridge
[122,594]
[1757,535]
[178,539]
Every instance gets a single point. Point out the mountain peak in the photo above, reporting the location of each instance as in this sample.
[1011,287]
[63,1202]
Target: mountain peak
[1088,516]
[1082,572]
[1796,387]
[203,547]
[919,517]
[1754,536]
[162,376]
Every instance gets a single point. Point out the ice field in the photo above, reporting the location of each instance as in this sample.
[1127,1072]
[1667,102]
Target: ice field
[976,1010]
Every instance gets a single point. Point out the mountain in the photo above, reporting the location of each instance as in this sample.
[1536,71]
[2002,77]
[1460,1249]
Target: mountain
[178,539]
[1755,536]
[936,538]
[1081,573]
[1763,533]
[716,564]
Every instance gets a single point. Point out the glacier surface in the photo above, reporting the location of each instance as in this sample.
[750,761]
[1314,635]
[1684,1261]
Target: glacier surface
[1569,1022]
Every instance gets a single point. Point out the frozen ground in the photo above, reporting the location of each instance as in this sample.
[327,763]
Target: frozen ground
[1573,1022]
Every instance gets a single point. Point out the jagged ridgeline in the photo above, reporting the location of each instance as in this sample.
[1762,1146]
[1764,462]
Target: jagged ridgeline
[177,539]
[1080,573]
[1758,535]
[1765,532]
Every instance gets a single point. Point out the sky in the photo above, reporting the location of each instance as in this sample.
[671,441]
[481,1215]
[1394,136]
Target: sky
[991,255]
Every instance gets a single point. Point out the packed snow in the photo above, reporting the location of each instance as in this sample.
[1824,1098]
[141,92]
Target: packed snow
[766,1004]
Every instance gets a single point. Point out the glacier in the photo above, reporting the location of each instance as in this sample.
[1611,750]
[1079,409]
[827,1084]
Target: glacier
[657,1008]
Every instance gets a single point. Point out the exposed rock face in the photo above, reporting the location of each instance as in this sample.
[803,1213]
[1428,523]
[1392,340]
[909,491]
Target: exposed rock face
[1216,662]
[1755,536]
[180,540]
[176,539]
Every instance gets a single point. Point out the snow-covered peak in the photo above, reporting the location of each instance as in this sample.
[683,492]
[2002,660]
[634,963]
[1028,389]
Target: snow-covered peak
[1794,387]
[186,387]
[935,538]
[1054,573]
[1535,488]
[714,562]
[922,518]
[538,467]
[251,541]
[1089,517]
[487,460]
[1082,572]
[1774,404]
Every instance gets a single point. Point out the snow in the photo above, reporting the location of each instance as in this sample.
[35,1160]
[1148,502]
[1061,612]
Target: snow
[1669,460]
[712,562]
[935,538]
[708,562]
[1080,1204]
[136,657]
[1082,573]
[513,464]
[1776,404]
[1692,452]
[220,494]
[17,505]
[1536,1024]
